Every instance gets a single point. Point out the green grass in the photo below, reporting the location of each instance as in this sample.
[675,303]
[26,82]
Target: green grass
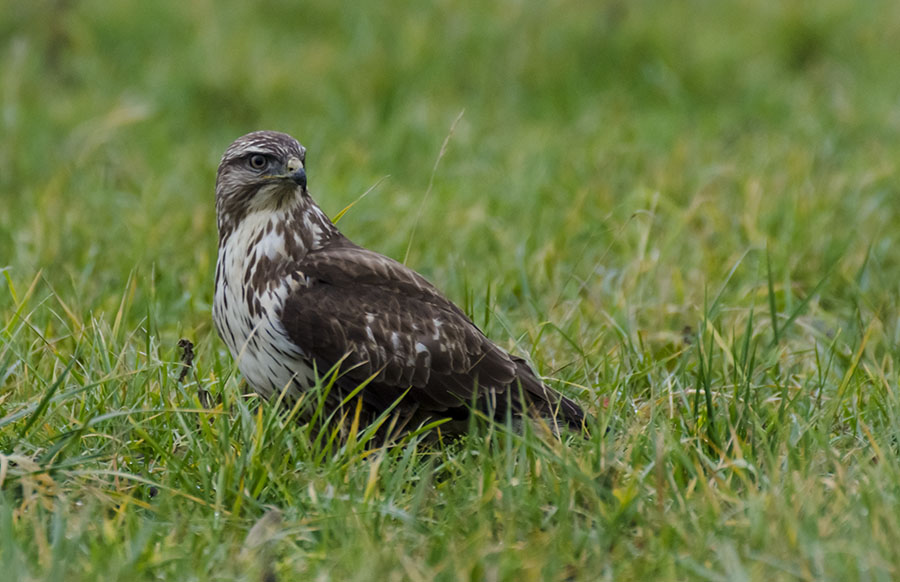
[685,214]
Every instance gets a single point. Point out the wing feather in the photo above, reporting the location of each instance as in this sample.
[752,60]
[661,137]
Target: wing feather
[386,320]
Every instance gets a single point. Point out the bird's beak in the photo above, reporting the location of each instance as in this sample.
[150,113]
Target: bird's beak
[296,172]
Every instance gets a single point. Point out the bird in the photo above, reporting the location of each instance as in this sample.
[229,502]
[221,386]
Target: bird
[295,298]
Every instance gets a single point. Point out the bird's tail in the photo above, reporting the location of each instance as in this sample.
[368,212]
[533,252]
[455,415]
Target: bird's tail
[546,402]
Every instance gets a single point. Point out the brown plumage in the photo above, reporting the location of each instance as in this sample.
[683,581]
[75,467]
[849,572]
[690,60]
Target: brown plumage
[293,295]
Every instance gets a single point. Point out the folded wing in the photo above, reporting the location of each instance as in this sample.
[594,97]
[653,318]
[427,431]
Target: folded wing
[384,320]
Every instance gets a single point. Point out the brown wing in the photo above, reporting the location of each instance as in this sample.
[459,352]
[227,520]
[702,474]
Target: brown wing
[385,319]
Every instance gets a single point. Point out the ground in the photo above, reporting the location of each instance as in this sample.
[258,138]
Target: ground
[684,214]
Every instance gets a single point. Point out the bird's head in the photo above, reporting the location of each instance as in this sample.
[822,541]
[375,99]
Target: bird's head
[262,170]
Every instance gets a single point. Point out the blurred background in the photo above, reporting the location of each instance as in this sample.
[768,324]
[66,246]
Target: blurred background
[684,214]
[622,155]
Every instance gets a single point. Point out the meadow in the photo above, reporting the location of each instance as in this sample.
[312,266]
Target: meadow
[683,214]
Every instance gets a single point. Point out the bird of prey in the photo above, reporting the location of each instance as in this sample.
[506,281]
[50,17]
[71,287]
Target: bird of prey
[294,297]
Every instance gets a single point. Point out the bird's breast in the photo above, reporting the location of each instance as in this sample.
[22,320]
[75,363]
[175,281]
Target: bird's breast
[253,279]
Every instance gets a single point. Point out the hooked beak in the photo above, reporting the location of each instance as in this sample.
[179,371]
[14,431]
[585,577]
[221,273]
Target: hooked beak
[296,172]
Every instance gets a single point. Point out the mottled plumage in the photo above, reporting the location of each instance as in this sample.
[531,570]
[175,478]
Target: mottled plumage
[293,294]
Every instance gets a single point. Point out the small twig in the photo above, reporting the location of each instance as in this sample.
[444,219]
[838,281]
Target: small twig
[187,358]
[187,364]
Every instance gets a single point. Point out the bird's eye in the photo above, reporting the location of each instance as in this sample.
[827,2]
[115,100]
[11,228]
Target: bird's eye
[258,161]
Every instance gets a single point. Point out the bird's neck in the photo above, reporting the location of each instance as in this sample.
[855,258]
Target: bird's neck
[291,228]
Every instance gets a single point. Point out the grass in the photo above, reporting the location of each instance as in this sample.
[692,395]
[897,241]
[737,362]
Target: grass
[683,214]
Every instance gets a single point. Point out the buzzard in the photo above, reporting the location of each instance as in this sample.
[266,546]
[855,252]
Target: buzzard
[295,297]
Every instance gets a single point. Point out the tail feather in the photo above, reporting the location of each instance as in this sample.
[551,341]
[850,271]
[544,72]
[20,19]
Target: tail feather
[548,402]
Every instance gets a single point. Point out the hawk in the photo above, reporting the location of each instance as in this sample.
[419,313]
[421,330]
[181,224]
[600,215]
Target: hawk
[294,297]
